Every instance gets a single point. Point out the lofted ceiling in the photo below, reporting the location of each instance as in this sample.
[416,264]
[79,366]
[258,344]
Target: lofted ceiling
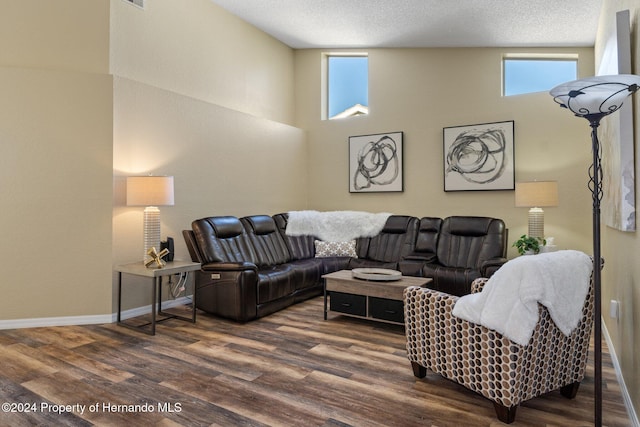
[422,23]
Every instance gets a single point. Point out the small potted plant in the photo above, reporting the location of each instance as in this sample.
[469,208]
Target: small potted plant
[528,245]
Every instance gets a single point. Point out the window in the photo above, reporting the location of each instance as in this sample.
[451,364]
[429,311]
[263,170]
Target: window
[347,86]
[537,74]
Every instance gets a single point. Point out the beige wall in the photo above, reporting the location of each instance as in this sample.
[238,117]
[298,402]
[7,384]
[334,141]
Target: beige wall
[621,275]
[61,34]
[197,49]
[224,162]
[205,97]
[94,91]
[55,159]
[420,91]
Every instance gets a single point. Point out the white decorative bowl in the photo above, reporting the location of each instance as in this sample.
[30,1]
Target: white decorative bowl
[376,274]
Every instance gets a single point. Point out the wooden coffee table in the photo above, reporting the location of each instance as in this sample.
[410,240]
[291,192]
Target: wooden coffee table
[367,299]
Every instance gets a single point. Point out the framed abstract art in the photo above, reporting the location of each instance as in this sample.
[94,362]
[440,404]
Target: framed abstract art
[479,157]
[375,163]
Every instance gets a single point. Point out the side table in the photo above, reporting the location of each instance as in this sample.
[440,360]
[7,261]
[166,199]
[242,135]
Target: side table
[138,269]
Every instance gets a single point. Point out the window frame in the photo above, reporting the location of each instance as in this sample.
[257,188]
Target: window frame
[324,103]
[547,57]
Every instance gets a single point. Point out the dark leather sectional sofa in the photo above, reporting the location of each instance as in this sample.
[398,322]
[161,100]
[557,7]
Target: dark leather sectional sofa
[252,268]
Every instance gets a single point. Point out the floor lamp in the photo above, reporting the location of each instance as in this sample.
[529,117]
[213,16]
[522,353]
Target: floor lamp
[593,98]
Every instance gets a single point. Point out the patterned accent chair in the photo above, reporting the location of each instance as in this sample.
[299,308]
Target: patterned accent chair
[486,362]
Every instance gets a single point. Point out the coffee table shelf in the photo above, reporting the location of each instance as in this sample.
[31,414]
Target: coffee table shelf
[366,299]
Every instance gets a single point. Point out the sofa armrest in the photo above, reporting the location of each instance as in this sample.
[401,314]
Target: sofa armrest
[421,307]
[229,266]
[490,266]
[412,264]
[192,247]
[419,301]
[420,257]
[228,289]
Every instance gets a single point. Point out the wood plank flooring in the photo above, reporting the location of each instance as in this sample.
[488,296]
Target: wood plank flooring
[289,369]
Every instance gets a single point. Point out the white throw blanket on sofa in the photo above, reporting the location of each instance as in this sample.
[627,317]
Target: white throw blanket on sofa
[335,226]
[509,300]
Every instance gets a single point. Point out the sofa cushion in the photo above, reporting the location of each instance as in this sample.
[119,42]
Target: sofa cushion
[222,239]
[307,273]
[331,264]
[333,249]
[394,242]
[226,226]
[397,224]
[261,224]
[274,283]
[452,280]
[466,242]
[300,247]
[267,242]
[468,225]
[367,263]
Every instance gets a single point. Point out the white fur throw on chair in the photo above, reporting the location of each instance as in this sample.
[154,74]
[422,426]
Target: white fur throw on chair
[509,300]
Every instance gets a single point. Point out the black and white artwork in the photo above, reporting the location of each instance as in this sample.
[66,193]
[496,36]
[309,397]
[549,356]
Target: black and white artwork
[479,157]
[375,163]
[618,166]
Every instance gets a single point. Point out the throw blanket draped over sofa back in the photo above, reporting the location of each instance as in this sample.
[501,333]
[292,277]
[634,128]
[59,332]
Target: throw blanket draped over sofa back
[336,226]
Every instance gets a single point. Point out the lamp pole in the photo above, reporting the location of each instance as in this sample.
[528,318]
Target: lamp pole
[595,185]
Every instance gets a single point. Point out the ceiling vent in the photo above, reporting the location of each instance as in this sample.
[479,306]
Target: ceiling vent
[139,3]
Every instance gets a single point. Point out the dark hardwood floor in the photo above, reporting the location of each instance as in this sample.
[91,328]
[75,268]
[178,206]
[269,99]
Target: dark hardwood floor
[289,369]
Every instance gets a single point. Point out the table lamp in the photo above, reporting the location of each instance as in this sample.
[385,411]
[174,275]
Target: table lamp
[593,98]
[536,195]
[151,192]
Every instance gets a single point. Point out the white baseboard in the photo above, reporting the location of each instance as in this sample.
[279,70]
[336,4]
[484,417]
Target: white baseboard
[628,403]
[140,311]
[55,321]
[87,320]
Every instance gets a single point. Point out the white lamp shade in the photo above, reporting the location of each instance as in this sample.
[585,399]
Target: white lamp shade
[599,95]
[536,194]
[150,191]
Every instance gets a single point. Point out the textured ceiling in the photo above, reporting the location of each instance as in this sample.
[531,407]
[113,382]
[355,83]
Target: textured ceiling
[422,23]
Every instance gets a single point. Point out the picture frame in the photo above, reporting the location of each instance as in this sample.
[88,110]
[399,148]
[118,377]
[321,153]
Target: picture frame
[376,163]
[617,142]
[479,157]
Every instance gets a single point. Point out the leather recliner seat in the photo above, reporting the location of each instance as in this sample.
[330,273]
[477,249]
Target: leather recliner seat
[467,248]
[396,240]
[226,283]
